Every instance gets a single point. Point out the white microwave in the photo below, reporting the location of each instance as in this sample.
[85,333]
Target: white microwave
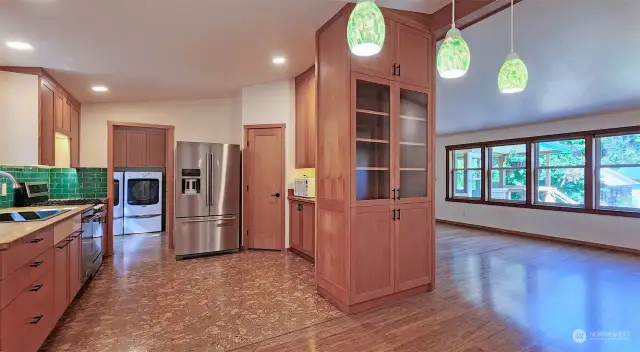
[304,187]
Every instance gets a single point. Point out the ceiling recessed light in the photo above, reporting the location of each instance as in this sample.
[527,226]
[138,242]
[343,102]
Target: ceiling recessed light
[279,60]
[19,45]
[100,89]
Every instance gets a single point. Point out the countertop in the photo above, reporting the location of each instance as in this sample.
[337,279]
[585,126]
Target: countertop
[11,233]
[302,199]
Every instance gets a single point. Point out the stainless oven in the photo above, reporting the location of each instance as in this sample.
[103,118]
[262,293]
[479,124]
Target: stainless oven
[93,228]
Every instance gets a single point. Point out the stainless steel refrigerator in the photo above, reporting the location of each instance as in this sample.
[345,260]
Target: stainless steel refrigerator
[207,201]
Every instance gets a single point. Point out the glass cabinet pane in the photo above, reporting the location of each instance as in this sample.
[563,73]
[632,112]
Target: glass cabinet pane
[413,143]
[373,137]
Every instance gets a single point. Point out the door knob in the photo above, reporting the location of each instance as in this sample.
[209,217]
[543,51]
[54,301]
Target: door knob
[277,195]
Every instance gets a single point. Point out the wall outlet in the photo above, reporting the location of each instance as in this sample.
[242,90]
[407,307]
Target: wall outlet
[3,191]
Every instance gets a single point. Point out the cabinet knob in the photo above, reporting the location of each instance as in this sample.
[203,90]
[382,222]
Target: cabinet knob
[36,288]
[36,240]
[398,70]
[36,320]
[35,264]
[394,69]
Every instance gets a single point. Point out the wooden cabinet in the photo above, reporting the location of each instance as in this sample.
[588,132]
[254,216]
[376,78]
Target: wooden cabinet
[47,126]
[374,173]
[405,56]
[119,147]
[66,118]
[139,147]
[302,227]
[75,137]
[75,265]
[306,119]
[61,278]
[156,147]
[59,106]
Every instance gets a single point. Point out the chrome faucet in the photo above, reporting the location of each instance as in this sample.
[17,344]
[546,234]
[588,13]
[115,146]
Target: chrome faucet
[15,182]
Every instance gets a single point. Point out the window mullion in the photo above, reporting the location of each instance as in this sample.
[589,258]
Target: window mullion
[530,187]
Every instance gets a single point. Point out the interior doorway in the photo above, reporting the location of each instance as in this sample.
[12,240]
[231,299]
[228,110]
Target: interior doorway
[264,187]
[142,144]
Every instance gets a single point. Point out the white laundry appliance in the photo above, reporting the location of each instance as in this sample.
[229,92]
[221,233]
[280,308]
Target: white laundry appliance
[118,203]
[142,202]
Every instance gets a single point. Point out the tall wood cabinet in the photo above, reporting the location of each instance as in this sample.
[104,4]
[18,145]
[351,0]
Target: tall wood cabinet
[306,119]
[374,173]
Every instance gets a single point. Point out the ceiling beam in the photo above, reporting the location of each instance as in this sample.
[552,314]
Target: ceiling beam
[468,12]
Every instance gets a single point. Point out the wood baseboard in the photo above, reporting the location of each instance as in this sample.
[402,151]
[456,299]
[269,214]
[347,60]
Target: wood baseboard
[544,237]
[302,255]
[359,307]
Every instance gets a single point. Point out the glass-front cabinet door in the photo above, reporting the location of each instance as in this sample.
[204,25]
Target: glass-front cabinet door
[372,146]
[412,144]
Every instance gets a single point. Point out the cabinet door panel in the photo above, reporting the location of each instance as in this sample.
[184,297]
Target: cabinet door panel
[372,254]
[75,257]
[295,214]
[311,123]
[119,147]
[59,105]
[137,147]
[414,55]
[413,246]
[66,118]
[157,148]
[381,64]
[302,90]
[75,137]
[308,229]
[61,284]
[47,125]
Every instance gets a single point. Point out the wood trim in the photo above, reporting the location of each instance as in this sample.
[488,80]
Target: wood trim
[301,255]
[245,182]
[169,178]
[589,174]
[468,12]
[543,237]
[311,71]
[358,307]
[411,19]
[531,184]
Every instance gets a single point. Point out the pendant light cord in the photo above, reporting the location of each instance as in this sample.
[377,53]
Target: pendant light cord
[453,13]
[511,25]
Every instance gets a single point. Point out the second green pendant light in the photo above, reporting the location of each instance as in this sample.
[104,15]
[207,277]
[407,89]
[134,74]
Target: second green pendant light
[513,75]
[366,29]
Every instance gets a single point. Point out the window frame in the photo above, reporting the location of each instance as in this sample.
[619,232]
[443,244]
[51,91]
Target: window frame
[490,168]
[451,179]
[598,166]
[592,167]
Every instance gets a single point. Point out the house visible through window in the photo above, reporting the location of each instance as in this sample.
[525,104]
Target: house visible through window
[467,171]
[618,170]
[508,170]
[560,172]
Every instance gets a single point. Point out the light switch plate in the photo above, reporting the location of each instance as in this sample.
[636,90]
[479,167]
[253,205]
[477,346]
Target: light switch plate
[4,190]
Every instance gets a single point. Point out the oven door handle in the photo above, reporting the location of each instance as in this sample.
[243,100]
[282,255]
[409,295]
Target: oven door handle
[143,216]
[209,220]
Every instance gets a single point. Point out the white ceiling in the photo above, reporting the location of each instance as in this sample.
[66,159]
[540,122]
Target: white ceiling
[582,57]
[169,49]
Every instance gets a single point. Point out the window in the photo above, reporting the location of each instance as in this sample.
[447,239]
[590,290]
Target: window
[560,172]
[508,170]
[467,171]
[618,172]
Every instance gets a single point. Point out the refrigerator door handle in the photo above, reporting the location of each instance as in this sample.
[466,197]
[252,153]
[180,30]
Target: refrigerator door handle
[211,179]
[206,173]
[207,220]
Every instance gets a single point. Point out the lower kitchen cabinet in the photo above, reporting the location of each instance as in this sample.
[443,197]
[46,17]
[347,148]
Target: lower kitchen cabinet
[61,285]
[413,248]
[75,264]
[302,227]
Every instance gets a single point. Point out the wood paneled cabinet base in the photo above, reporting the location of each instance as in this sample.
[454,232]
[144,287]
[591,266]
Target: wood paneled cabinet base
[302,228]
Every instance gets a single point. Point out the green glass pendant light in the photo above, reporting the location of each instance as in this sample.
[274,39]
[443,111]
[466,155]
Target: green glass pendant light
[513,75]
[366,29]
[454,56]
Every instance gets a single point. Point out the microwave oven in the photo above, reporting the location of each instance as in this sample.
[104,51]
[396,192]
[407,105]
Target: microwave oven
[304,187]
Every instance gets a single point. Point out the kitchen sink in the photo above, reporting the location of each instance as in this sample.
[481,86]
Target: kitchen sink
[24,216]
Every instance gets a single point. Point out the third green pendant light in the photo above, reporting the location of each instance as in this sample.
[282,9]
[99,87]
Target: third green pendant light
[365,29]
[513,75]
[454,56]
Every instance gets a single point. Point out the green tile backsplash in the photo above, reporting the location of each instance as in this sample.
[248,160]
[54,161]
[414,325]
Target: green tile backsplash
[63,183]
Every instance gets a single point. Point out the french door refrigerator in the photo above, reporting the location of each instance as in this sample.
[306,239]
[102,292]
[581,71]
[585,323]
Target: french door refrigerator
[207,201]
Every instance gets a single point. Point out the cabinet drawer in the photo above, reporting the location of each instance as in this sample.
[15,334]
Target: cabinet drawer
[27,321]
[24,277]
[66,228]
[28,248]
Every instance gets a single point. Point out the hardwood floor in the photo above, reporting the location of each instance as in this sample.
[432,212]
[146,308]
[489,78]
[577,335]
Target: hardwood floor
[496,293]
[493,293]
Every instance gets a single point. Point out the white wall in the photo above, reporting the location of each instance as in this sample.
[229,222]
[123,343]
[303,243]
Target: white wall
[274,103]
[611,230]
[19,119]
[204,120]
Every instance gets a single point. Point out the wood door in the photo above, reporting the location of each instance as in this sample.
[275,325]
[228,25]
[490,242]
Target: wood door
[308,229]
[137,147]
[413,56]
[295,225]
[75,259]
[372,253]
[47,126]
[75,137]
[265,182]
[371,145]
[157,149]
[413,238]
[265,173]
[61,284]
[119,147]
[411,130]
[66,118]
[381,64]
[59,106]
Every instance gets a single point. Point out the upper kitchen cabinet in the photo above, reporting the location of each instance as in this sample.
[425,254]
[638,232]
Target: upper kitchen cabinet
[119,147]
[156,147]
[139,147]
[406,55]
[306,119]
[43,108]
